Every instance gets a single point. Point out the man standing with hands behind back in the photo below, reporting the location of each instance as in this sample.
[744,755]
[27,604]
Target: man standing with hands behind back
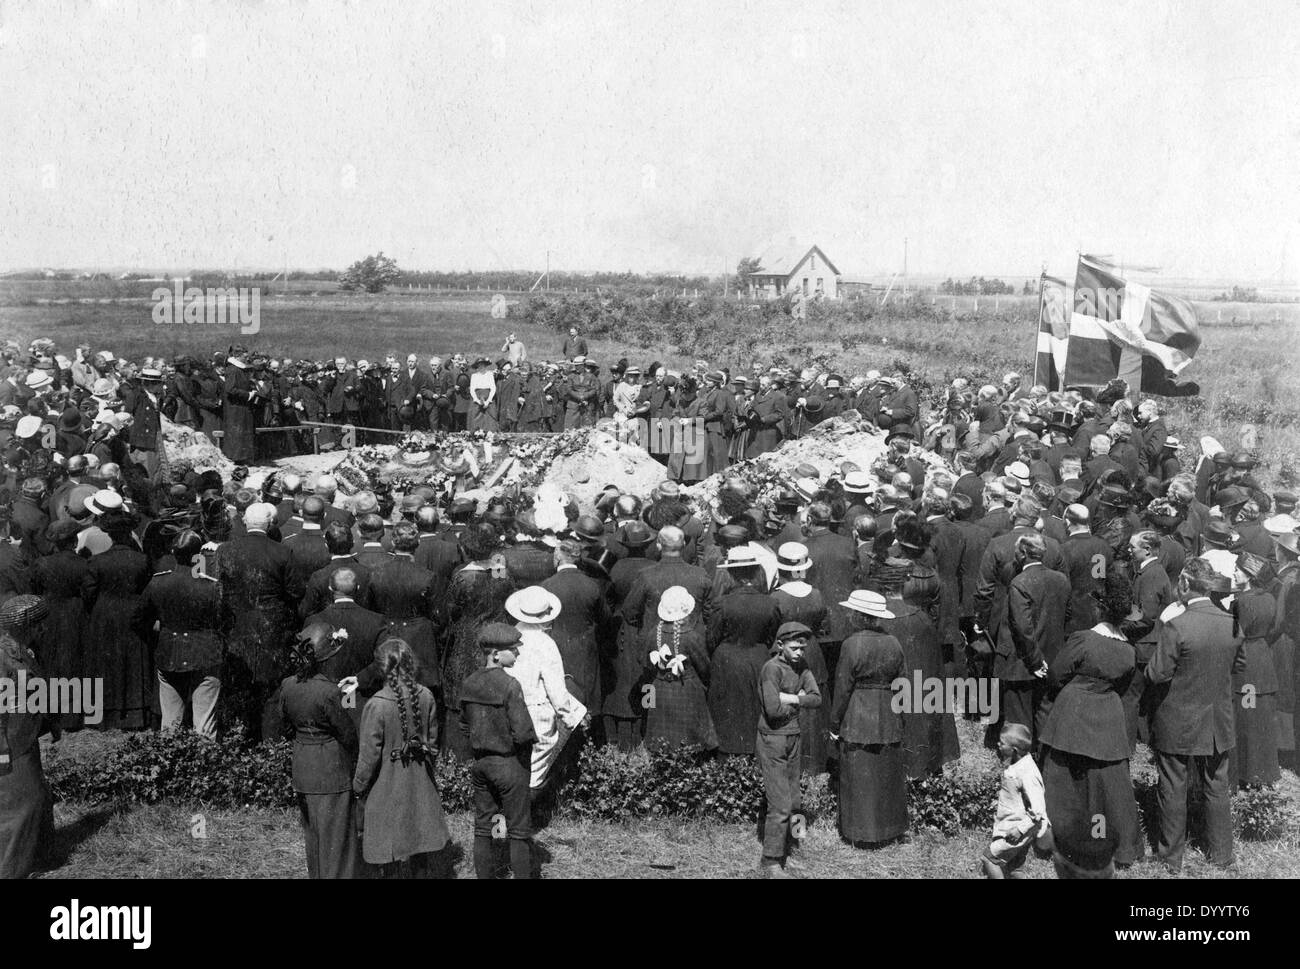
[1193,726]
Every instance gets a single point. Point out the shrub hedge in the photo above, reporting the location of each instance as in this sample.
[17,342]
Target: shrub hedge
[604,785]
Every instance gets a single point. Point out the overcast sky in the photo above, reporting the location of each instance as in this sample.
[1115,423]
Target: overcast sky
[995,137]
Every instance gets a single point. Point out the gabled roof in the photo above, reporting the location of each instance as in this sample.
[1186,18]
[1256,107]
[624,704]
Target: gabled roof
[783,260]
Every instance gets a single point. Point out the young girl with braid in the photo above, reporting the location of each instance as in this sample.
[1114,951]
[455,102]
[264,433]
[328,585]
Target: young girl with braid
[676,700]
[403,822]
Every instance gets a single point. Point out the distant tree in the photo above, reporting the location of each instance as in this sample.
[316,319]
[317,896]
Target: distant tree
[371,274]
[1028,290]
[749,264]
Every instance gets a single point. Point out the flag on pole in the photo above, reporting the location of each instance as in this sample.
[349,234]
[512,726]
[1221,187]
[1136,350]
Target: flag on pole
[1054,309]
[1119,328]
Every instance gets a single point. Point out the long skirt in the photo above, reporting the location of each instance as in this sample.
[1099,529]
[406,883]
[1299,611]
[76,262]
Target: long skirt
[61,649]
[929,742]
[815,722]
[734,700]
[114,651]
[1091,808]
[329,826]
[873,792]
[1254,760]
[26,814]
[680,713]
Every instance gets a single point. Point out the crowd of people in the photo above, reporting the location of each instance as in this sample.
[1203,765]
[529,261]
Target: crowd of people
[1063,547]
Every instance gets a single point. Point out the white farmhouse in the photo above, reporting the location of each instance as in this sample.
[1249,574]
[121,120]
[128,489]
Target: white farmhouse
[804,268]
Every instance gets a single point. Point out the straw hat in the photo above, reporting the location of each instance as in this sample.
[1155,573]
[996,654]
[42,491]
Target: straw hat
[858,483]
[675,604]
[740,557]
[793,557]
[103,501]
[867,602]
[533,605]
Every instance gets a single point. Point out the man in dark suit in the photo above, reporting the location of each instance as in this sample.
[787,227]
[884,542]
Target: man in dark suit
[639,608]
[372,554]
[1038,605]
[366,630]
[1100,461]
[1193,723]
[969,483]
[411,599]
[997,516]
[307,549]
[257,619]
[975,539]
[1087,561]
[998,568]
[530,560]
[574,345]
[433,553]
[317,596]
[1151,436]
[326,488]
[948,543]
[582,631]
[1152,592]
[834,561]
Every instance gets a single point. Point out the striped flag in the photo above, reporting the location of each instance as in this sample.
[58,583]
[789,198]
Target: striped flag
[1120,328]
[1054,308]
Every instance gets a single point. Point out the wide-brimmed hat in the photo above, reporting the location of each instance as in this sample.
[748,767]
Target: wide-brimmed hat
[858,483]
[102,502]
[740,557]
[28,426]
[533,605]
[1289,541]
[793,557]
[634,535]
[1281,524]
[38,380]
[24,610]
[1219,533]
[867,602]
[807,488]
[675,604]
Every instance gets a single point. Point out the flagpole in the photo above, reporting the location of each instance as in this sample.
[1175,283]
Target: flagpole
[1038,329]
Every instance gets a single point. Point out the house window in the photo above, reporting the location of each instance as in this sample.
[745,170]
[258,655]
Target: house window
[812,261]
[821,284]
[805,285]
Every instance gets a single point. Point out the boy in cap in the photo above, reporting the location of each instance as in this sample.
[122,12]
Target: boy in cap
[786,686]
[500,731]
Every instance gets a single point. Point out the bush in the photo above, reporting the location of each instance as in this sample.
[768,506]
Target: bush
[1259,814]
[607,784]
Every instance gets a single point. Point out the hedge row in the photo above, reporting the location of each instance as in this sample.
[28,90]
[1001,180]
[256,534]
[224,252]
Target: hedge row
[606,785]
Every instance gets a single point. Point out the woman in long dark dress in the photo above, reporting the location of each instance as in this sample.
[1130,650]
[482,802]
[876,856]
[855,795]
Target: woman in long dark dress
[744,626]
[476,595]
[873,773]
[929,736]
[797,601]
[405,594]
[1085,741]
[113,649]
[622,709]
[687,461]
[58,578]
[1254,761]
[678,658]
[26,807]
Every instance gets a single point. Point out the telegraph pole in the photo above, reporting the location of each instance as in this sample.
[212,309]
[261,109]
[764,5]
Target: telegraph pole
[904,265]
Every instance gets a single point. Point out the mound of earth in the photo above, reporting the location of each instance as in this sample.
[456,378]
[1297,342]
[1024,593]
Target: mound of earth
[580,462]
[825,447]
[181,443]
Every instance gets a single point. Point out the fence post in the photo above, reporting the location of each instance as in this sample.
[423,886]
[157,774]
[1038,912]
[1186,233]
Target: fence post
[975,305]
